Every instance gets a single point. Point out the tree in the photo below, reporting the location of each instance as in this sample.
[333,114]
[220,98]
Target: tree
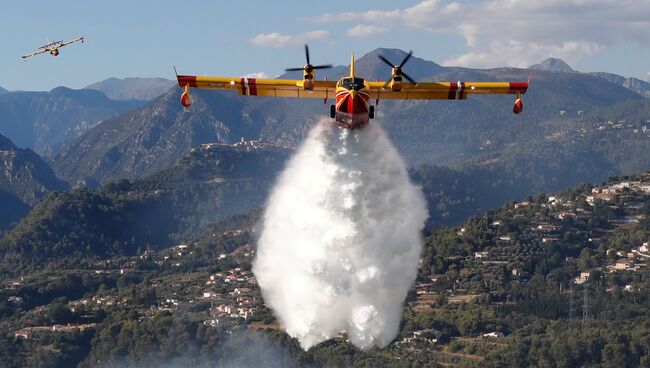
[585,262]
[59,313]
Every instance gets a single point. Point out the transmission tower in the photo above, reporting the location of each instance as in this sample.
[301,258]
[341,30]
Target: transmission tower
[571,301]
[585,306]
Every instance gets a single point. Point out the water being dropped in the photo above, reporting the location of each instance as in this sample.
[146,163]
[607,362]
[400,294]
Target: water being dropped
[341,238]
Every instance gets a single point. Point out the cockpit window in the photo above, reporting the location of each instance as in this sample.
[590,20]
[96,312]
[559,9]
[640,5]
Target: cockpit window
[352,83]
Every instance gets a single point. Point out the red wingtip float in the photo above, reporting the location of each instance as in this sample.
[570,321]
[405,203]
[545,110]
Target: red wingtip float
[353,94]
[519,106]
[186,99]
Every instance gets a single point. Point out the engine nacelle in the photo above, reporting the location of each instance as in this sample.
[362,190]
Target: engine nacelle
[518,107]
[308,82]
[186,98]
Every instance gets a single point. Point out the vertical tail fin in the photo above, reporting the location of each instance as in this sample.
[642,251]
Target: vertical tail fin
[352,66]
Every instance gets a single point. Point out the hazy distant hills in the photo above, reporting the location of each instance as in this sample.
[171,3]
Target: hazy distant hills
[215,181]
[633,84]
[24,179]
[151,138]
[438,132]
[557,154]
[25,174]
[143,89]
[176,204]
[3,91]
[44,121]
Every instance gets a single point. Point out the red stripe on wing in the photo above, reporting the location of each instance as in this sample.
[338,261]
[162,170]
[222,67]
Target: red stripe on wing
[242,81]
[518,87]
[187,80]
[252,86]
[453,87]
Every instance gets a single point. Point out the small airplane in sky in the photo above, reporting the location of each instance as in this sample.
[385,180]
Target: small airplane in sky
[52,47]
[352,93]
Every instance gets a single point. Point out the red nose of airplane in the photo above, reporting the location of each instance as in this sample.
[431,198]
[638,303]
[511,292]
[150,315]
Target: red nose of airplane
[354,104]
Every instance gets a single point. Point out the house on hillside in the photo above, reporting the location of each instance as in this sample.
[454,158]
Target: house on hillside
[519,272]
[584,277]
[493,335]
[480,254]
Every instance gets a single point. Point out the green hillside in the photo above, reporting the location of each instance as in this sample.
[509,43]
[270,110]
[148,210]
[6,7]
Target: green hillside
[556,279]
[174,205]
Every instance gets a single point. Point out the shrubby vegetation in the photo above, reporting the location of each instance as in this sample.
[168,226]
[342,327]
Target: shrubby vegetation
[493,274]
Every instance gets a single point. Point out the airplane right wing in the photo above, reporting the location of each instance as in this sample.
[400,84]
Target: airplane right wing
[34,54]
[73,41]
[261,87]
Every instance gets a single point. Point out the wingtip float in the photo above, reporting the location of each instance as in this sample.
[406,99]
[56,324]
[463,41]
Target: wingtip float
[353,108]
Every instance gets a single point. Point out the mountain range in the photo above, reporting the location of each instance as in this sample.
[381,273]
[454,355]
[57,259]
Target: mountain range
[210,183]
[557,280]
[559,65]
[24,179]
[552,65]
[25,174]
[142,89]
[438,132]
[44,121]
[214,181]
[570,133]
[633,84]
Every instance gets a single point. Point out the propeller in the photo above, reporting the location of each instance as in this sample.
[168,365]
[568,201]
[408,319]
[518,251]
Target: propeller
[308,68]
[397,69]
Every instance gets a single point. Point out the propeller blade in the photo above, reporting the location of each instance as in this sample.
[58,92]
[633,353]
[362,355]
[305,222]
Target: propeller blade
[409,78]
[406,59]
[307,54]
[386,61]
[293,69]
[323,66]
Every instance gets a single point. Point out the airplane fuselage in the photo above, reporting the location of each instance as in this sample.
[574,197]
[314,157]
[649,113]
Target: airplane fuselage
[352,108]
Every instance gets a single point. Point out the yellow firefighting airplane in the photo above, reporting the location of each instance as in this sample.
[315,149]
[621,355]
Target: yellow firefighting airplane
[52,48]
[353,94]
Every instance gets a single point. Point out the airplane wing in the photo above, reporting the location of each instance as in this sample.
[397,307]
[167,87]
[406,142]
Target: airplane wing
[444,90]
[34,54]
[261,87]
[72,41]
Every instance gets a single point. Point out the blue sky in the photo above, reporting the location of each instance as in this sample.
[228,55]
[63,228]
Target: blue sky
[145,38]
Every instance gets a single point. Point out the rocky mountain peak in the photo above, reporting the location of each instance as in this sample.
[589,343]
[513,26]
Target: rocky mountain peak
[553,65]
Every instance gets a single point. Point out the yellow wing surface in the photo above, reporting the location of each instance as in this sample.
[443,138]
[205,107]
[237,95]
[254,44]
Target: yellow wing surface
[261,87]
[326,89]
[443,90]
[34,54]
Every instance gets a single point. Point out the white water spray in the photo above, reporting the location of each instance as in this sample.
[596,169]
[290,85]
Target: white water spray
[341,239]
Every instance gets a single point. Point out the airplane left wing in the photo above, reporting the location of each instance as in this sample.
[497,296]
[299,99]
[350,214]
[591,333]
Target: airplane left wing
[444,90]
[261,87]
